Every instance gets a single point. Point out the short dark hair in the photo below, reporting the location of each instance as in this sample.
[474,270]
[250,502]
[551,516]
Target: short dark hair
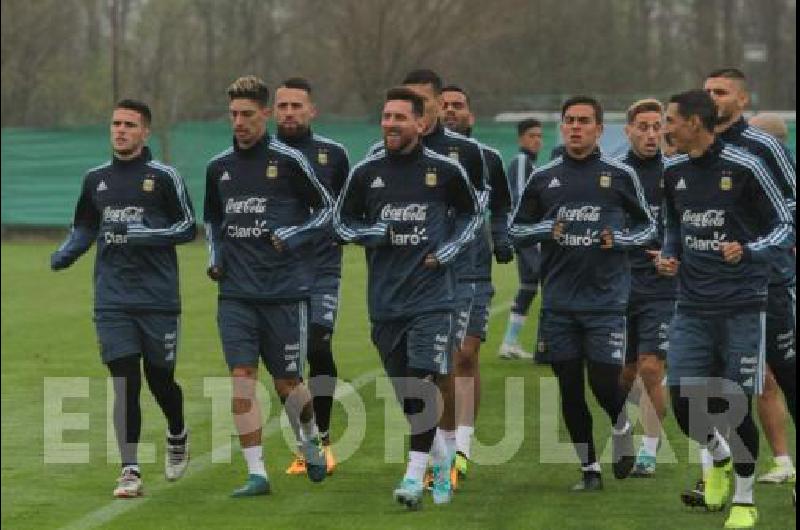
[298,83]
[524,125]
[456,88]
[405,94]
[697,102]
[136,106]
[728,73]
[643,105]
[583,100]
[424,76]
[249,87]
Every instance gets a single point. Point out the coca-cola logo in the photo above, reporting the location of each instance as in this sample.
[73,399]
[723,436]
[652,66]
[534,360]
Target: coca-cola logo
[248,205]
[410,212]
[715,218]
[584,213]
[128,214]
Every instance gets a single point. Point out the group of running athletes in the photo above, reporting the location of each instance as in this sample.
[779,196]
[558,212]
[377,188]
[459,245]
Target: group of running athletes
[649,265]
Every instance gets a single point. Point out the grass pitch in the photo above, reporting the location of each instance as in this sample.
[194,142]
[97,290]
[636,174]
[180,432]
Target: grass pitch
[47,332]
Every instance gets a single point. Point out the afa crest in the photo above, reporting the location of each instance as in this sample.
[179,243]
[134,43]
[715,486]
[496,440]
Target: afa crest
[272,170]
[148,184]
[322,157]
[725,183]
[430,178]
[605,181]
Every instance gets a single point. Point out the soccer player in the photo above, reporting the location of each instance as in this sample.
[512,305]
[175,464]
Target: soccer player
[725,220]
[529,137]
[728,88]
[586,211]
[652,297]
[414,210]
[137,209]
[457,116]
[263,208]
[294,112]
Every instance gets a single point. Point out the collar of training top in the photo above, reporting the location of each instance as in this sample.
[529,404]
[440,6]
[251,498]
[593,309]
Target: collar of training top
[263,143]
[735,130]
[412,155]
[300,139]
[531,154]
[640,161]
[710,154]
[437,130]
[144,156]
[594,155]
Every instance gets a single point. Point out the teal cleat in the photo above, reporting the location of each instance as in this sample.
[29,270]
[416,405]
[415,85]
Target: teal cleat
[442,489]
[316,464]
[255,485]
[645,466]
[409,493]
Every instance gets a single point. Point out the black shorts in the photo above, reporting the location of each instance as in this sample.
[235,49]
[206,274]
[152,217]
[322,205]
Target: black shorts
[648,328]
[569,335]
[781,340]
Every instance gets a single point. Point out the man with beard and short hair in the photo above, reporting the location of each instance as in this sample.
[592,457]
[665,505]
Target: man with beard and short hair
[415,211]
[728,88]
[294,111]
[457,116]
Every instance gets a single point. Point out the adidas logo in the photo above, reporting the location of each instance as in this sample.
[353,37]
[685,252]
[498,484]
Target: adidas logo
[225,176]
[102,186]
[617,354]
[328,316]
[681,184]
[555,183]
[291,367]
[377,183]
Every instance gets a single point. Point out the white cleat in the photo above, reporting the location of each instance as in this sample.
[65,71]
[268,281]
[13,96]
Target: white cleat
[129,485]
[513,351]
[778,474]
[176,459]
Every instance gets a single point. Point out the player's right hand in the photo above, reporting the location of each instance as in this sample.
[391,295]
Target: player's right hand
[215,273]
[667,266]
[58,261]
[558,230]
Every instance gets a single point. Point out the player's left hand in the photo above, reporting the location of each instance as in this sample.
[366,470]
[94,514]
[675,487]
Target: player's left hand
[606,239]
[732,252]
[503,253]
[431,262]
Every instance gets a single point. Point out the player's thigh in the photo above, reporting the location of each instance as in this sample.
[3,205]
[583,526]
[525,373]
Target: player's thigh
[284,338]
[117,335]
[238,324]
[430,337]
[160,334]
[559,337]
[744,354]
[693,341]
[604,337]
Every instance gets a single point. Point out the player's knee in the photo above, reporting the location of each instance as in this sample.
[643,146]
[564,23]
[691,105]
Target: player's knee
[628,376]
[285,387]
[241,405]
[770,387]
[651,370]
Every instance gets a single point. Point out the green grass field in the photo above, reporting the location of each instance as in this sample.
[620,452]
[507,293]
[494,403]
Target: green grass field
[47,332]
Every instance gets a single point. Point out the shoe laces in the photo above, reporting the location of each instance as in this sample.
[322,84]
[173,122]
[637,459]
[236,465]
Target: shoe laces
[176,453]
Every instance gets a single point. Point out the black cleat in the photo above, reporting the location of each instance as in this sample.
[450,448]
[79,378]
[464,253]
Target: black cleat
[591,481]
[623,453]
[694,498]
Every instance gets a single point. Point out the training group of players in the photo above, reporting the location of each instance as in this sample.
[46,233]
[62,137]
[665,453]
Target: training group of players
[676,260]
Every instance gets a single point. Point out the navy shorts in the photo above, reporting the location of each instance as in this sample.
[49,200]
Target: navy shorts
[324,303]
[423,342]
[781,340]
[529,264]
[731,346]
[465,298]
[276,333]
[569,335]
[153,335]
[648,328]
[478,324]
